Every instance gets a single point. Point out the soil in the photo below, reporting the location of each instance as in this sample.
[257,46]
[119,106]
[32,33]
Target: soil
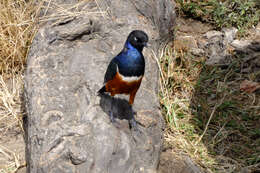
[13,150]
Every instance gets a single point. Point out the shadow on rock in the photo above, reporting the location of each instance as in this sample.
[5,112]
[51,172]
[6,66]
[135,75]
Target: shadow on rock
[119,106]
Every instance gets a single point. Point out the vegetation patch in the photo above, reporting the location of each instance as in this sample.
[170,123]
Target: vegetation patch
[210,116]
[242,14]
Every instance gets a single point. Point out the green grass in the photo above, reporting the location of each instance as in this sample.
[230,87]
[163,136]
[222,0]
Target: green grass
[242,14]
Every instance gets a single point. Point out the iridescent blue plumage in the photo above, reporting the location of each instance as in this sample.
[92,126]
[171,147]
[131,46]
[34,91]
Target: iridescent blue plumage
[130,61]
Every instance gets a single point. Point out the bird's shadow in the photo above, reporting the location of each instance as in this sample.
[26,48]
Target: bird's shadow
[119,107]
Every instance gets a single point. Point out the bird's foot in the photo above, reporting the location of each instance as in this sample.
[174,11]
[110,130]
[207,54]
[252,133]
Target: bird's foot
[111,116]
[133,122]
[133,125]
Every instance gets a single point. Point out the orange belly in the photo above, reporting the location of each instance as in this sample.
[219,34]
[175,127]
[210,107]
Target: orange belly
[118,86]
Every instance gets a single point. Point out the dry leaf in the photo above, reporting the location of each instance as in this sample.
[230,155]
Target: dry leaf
[249,86]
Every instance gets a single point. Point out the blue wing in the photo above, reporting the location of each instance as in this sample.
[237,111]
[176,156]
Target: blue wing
[111,70]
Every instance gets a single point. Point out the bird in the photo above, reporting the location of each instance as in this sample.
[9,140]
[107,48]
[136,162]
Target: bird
[125,71]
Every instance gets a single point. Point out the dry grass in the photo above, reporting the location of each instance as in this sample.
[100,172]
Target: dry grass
[17,28]
[11,111]
[181,73]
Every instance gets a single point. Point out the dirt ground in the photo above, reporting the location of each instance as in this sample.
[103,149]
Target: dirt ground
[12,149]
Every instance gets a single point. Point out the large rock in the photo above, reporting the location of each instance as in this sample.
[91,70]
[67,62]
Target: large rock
[67,124]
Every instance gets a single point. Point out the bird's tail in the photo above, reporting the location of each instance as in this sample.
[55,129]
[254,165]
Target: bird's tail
[102,90]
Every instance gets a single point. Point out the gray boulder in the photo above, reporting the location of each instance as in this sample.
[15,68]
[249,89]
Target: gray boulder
[216,48]
[67,124]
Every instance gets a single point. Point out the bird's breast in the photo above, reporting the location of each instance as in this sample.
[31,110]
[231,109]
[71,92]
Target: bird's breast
[131,71]
[130,78]
[131,63]
[123,85]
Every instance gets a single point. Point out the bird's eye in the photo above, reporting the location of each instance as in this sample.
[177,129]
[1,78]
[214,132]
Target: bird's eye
[135,38]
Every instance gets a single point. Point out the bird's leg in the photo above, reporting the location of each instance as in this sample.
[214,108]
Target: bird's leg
[111,115]
[132,121]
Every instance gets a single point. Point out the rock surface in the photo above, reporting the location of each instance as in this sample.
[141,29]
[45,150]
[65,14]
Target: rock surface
[67,125]
[172,163]
[220,45]
[216,48]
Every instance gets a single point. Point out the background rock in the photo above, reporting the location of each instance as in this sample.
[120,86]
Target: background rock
[230,34]
[172,163]
[67,126]
[216,48]
[249,53]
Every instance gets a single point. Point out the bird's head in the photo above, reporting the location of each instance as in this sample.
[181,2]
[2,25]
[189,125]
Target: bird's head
[138,39]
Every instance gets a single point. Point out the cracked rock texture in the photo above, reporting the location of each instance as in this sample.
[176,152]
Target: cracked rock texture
[67,124]
[220,46]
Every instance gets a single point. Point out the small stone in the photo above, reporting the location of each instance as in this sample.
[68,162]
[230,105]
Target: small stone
[172,163]
[230,34]
[245,170]
[77,157]
[240,44]
[258,29]
[185,43]
[216,49]
[211,34]
[197,51]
